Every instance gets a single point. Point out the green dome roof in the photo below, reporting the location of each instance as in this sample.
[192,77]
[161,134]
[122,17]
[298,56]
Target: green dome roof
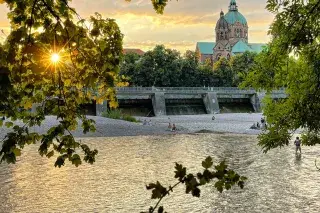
[233,16]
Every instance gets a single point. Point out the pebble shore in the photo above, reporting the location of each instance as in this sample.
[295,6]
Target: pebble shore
[223,123]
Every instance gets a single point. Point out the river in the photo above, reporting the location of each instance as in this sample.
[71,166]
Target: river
[278,181]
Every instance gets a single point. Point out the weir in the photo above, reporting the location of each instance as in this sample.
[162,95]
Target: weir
[196,100]
[159,101]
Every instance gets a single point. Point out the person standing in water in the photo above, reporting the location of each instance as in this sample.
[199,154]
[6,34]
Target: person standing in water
[297,142]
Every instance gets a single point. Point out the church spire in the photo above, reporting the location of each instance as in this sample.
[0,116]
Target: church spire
[233,6]
[221,13]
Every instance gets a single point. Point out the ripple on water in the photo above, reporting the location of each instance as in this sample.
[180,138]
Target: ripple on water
[278,181]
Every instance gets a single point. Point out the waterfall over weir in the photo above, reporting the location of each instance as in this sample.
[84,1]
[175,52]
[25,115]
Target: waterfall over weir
[185,107]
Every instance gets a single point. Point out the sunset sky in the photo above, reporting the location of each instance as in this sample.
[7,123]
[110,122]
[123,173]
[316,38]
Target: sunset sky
[183,24]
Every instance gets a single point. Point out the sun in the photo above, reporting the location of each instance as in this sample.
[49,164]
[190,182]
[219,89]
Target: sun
[55,57]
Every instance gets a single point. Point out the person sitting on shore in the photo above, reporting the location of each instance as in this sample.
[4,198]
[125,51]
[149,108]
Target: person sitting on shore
[253,126]
[174,128]
[169,126]
[144,122]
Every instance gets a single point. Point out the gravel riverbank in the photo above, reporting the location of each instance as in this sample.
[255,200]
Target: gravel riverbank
[232,123]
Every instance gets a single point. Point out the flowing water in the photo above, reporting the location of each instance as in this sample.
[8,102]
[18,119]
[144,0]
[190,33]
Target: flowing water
[278,181]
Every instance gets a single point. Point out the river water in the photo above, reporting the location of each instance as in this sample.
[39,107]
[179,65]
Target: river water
[278,181]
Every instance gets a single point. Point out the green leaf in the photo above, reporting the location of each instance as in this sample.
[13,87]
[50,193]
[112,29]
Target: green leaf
[17,152]
[207,163]
[160,209]
[76,160]
[221,167]
[8,124]
[196,192]
[157,190]
[219,186]
[59,162]
[50,154]
[180,172]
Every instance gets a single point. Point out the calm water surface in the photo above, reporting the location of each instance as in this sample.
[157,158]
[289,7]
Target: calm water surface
[278,181]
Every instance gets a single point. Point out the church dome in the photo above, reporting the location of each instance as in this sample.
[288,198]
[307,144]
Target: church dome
[233,15]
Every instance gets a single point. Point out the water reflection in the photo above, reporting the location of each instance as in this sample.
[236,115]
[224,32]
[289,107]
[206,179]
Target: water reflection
[280,181]
[298,157]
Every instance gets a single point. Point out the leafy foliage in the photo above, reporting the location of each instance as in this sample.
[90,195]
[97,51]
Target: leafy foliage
[129,118]
[225,179]
[223,69]
[117,114]
[295,31]
[89,61]
[241,65]
[166,68]
[112,113]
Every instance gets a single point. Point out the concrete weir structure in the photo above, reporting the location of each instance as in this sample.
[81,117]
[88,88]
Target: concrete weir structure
[163,99]
[184,100]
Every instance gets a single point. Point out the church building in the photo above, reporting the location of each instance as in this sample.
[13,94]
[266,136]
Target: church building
[231,37]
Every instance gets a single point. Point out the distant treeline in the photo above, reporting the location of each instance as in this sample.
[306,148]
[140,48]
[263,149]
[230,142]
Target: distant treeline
[167,68]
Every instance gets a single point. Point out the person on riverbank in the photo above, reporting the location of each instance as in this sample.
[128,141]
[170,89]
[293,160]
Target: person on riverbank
[169,126]
[174,128]
[145,122]
[297,142]
[253,126]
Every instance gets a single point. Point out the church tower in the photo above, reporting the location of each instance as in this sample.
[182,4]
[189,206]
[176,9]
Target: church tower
[222,47]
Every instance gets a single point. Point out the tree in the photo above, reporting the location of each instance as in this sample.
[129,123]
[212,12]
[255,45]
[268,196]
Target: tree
[241,65]
[158,67]
[57,66]
[128,67]
[144,71]
[223,70]
[294,31]
[189,70]
[166,67]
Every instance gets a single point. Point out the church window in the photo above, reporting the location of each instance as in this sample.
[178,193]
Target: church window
[238,33]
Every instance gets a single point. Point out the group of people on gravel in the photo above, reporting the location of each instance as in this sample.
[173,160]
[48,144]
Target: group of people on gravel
[257,125]
[147,123]
[172,127]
